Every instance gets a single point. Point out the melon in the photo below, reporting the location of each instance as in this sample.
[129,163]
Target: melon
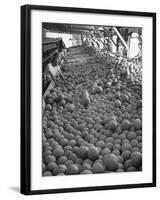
[63,142]
[79,161]
[108,84]
[55,170]
[62,102]
[105,151]
[117,146]
[70,107]
[72,157]
[43,167]
[100,144]
[50,158]
[88,161]
[51,166]
[109,145]
[137,124]
[46,153]
[86,172]
[112,125]
[118,103]
[49,134]
[47,173]
[120,170]
[72,143]
[131,135]
[117,95]
[120,159]
[131,169]
[126,155]
[125,124]
[49,100]
[58,152]
[136,158]
[139,138]
[126,146]
[98,168]
[62,168]
[98,89]
[61,160]
[48,107]
[72,169]
[82,153]
[139,104]
[93,153]
[124,98]
[110,162]
[127,164]
[134,143]
[116,152]
[86,165]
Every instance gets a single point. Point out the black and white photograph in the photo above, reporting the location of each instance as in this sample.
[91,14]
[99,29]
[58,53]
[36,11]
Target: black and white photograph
[88,99]
[92,99]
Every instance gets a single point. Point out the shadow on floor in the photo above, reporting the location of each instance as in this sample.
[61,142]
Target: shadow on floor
[14,188]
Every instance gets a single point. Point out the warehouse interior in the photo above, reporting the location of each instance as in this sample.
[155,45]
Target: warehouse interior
[92,99]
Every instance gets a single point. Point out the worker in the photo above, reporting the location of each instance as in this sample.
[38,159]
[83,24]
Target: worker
[54,66]
[120,49]
[138,57]
[62,51]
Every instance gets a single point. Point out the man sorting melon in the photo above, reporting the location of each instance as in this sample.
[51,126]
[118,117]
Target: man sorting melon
[54,66]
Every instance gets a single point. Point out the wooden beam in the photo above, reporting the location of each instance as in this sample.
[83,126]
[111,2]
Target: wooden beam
[120,37]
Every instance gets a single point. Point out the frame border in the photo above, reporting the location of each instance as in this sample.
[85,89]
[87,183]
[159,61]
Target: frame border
[25,182]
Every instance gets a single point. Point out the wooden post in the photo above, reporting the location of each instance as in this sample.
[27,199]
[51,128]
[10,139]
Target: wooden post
[129,40]
[120,37]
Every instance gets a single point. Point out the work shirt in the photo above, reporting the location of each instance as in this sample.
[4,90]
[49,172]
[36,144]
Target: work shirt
[53,70]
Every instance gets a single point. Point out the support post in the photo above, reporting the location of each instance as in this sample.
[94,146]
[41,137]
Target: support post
[120,37]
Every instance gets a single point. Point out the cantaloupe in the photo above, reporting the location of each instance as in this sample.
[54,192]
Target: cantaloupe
[131,169]
[86,172]
[112,125]
[108,84]
[49,158]
[110,162]
[82,153]
[116,152]
[136,158]
[47,173]
[109,145]
[51,166]
[43,167]
[126,155]
[100,144]
[126,146]
[134,143]
[58,152]
[137,124]
[128,164]
[125,124]
[62,168]
[131,135]
[72,169]
[70,107]
[118,103]
[61,160]
[98,168]
[46,153]
[93,153]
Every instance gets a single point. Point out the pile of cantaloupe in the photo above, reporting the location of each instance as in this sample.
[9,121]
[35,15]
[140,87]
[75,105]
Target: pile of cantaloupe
[96,128]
